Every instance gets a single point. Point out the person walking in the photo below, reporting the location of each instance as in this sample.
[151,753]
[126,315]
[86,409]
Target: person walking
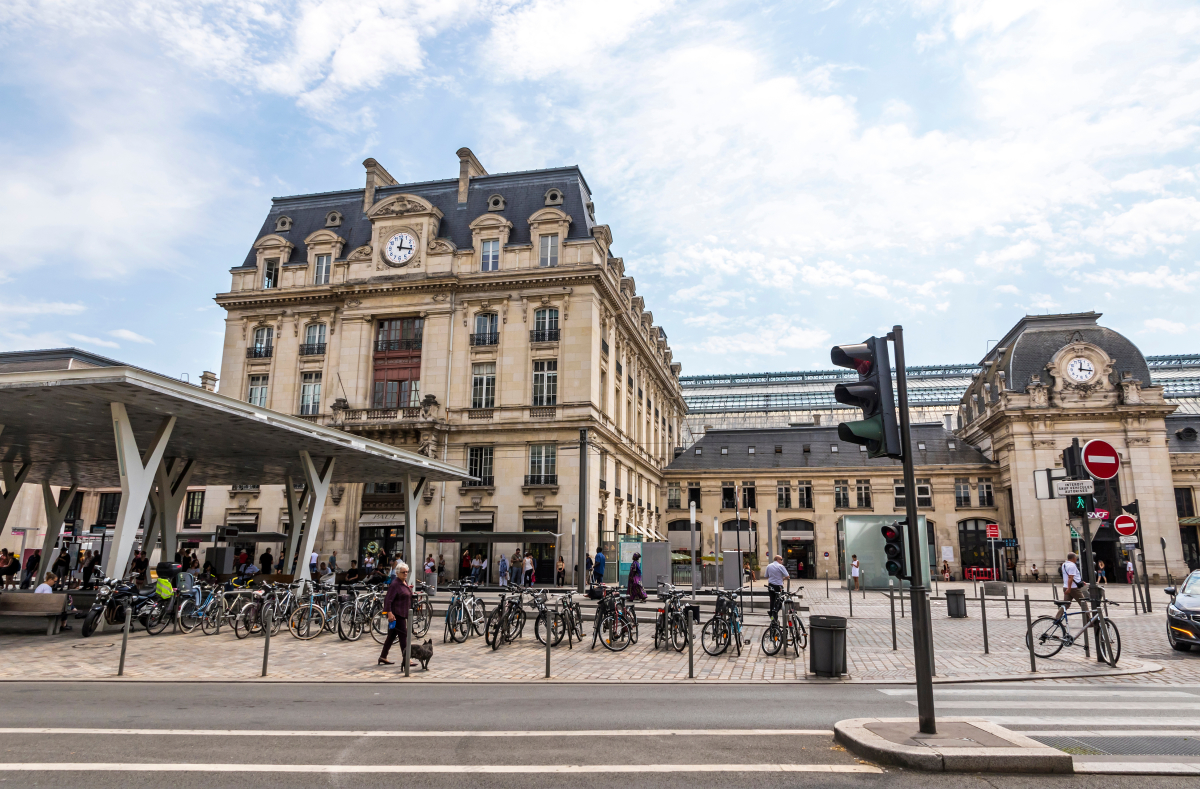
[777,575]
[529,569]
[560,572]
[62,568]
[431,573]
[266,561]
[1101,573]
[854,570]
[503,571]
[475,563]
[397,602]
[587,566]
[516,568]
[1129,571]
[598,566]
[312,563]
[483,568]
[1071,583]
[634,586]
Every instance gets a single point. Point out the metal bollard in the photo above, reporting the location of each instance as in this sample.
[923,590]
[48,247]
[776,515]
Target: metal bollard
[268,621]
[548,639]
[850,596]
[408,643]
[901,603]
[826,584]
[983,618]
[125,638]
[1029,633]
[1007,615]
[691,634]
[1054,592]
[892,600]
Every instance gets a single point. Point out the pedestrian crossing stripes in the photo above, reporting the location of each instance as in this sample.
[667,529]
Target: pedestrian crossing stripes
[1009,692]
[426,734]
[523,769]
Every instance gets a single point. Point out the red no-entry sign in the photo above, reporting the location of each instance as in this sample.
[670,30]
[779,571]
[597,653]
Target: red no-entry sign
[993,531]
[1100,459]
[1125,525]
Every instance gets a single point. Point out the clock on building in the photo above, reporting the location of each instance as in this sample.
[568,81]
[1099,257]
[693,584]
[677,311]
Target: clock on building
[1080,369]
[400,248]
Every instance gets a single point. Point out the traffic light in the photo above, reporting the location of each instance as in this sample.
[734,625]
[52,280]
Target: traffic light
[1073,462]
[872,392]
[893,549]
[1080,505]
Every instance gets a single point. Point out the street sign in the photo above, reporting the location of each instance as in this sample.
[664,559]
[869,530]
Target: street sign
[1100,459]
[1126,526]
[1074,534]
[1074,487]
[993,531]
[1011,542]
[1043,482]
[1128,539]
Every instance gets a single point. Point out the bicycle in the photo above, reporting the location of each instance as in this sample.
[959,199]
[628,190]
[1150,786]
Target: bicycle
[507,620]
[572,615]
[615,625]
[465,614]
[669,625]
[308,619]
[1050,634]
[792,631]
[549,623]
[725,627]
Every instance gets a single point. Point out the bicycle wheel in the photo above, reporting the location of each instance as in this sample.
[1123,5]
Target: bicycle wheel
[379,627]
[460,625]
[495,629]
[246,621]
[477,616]
[660,629]
[614,635]
[632,623]
[714,638]
[345,621]
[799,633]
[678,630]
[159,618]
[211,619]
[1048,634]
[772,639]
[736,636]
[422,616]
[307,622]
[577,618]
[1114,638]
[557,629]
[188,615]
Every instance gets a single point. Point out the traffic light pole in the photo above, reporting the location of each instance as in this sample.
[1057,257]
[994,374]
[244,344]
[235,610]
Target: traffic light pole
[918,590]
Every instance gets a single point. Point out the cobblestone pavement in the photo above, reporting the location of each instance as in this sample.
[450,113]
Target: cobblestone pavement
[958,648]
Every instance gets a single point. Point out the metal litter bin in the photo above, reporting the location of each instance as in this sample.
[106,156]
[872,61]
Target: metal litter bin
[956,603]
[827,650]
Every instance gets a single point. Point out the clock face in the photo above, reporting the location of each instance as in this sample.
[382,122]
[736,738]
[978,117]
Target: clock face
[400,248]
[1080,369]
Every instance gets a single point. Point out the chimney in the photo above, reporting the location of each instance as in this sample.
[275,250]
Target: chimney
[376,176]
[948,420]
[208,380]
[468,168]
[816,420]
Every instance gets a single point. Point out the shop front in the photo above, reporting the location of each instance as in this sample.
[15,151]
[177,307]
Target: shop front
[799,548]
[380,537]
[544,553]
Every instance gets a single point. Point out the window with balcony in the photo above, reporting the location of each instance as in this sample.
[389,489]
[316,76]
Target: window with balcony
[962,492]
[545,382]
[783,494]
[264,338]
[548,251]
[483,385]
[193,508]
[841,494]
[749,497]
[985,492]
[402,334]
[258,391]
[545,325]
[804,496]
[489,256]
[321,274]
[397,377]
[310,393]
[728,496]
[271,273]
[479,464]
[674,499]
[542,465]
[862,488]
[314,340]
[487,329]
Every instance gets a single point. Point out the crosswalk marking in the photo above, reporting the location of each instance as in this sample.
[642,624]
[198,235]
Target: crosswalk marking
[436,768]
[1046,692]
[451,734]
[984,706]
[1090,721]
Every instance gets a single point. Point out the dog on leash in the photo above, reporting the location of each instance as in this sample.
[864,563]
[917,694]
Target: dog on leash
[423,653]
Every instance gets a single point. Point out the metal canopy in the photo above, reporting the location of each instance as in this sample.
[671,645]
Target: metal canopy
[245,536]
[514,537]
[62,423]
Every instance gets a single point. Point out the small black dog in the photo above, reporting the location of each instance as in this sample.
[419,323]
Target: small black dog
[423,653]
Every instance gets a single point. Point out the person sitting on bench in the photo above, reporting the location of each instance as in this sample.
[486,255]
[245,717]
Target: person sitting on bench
[47,587]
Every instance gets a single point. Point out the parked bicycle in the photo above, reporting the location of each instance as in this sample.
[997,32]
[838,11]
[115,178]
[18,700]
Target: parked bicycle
[670,627]
[615,625]
[1051,633]
[507,620]
[465,614]
[725,627]
[790,632]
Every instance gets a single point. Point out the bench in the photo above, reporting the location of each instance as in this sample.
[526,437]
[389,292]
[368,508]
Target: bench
[28,604]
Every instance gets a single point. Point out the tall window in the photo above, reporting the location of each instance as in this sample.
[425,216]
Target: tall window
[542,463]
[403,334]
[271,273]
[397,394]
[804,497]
[728,496]
[489,258]
[962,492]
[863,490]
[397,381]
[603,392]
[673,498]
[749,499]
[783,495]
[479,464]
[694,494]
[314,335]
[110,508]
[985,492]
[258,390]
[545,382]
[264,336]
[841,493]
[75,511]
[310,393]
[1185,506]
[549,251]
[545,325]
[487,331]
[193,510]
[483,385]
[898,488]
[322,273]
[925,493]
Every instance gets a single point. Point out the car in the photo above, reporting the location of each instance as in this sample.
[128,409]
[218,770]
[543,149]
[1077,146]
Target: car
[1183,614]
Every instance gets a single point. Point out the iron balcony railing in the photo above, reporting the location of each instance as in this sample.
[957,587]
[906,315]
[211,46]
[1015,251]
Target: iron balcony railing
[485,339]
[603,484]
[250,487]
[488,481]
[259,352]
[604,347]
[398,345]
[541,479]
[543,335]
[617,492]
[639,502]
[312,349]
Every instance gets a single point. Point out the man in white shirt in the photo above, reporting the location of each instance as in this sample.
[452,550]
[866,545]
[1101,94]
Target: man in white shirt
[854,570]
[312,564]
[47,587]
[777,574]
[1071,584]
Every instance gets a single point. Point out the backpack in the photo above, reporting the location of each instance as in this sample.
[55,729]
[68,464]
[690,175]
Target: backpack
[163,588]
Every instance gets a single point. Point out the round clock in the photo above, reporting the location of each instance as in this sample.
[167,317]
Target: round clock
[400,248]
[1080,369]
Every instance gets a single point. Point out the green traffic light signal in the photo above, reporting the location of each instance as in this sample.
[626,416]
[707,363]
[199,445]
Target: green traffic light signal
[878,430]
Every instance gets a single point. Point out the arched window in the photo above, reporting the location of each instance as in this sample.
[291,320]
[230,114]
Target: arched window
[264,337]
[796,524]
[283,224]
[314,340]
[487,329]
[545,325]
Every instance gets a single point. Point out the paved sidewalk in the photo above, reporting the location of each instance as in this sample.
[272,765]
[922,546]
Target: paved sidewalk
[957,643]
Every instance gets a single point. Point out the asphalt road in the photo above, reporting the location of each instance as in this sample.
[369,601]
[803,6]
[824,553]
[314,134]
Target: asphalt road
[302,735]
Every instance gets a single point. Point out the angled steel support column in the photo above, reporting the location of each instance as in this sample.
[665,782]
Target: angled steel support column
[298,507]
[13,480]
[318,489]
[411,494]
[55,515]
[171,484]
[137,477]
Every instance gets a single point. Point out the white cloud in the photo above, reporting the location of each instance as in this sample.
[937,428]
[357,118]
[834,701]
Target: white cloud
[83,338]
[1168,221]
[41,308]
[1000,258]
[1162,324]
[770,335]
[1006,289]
[126,334]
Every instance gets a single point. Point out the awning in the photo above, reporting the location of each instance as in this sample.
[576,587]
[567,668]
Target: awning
[796,535]
[476,517]
[1189,521]
[539,516]
[508,537]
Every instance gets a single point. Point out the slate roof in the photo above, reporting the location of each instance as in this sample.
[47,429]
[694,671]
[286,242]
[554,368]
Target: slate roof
[819,441]
[524,194]
[1036,338]
[1178,423]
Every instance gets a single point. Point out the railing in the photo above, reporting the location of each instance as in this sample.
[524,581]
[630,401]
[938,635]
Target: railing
[381,414]
[604,347]
[543,335]
[542,413]
[483,482]
[398,345]
[541,479]
[309,417]
[479,413]
[485,339]
[312,349]
[259,352]
[603,484]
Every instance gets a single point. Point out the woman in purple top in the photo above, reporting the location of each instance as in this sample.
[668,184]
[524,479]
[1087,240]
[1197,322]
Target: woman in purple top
[397,604]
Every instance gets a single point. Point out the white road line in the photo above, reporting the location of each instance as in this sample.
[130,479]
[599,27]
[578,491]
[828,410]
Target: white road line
[339,733]
[1048,692]
[1090,721]
[1137,768]
[985,706]
[1113,733]
[436,768]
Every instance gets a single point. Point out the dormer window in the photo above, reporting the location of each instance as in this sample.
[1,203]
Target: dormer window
[548,252]
[591,209]
[283,224]
[489,256]
[271,273]
[554,197]
[496,203]
[333,219]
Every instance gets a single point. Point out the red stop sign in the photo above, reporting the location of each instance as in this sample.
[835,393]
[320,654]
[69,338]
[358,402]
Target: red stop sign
[1100,459]
[1125,525]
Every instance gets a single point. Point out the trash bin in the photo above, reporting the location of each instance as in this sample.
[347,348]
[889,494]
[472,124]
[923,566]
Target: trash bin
[827,650]
[956,603]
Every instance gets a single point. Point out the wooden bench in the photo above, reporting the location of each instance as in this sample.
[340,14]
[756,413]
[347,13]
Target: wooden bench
[27,604]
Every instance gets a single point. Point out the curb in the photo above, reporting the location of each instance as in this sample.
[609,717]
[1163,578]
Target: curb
[1021,755]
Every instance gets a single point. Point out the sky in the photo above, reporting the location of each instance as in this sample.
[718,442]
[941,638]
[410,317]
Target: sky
[778,177]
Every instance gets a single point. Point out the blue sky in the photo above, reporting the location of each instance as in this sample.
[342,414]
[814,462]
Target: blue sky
[777,176]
